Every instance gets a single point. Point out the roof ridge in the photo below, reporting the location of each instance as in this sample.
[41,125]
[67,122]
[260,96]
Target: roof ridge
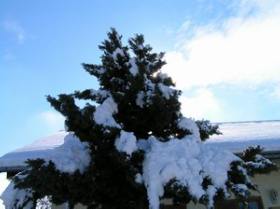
[248,121]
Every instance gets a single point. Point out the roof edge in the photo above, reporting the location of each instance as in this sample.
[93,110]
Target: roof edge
[12,169]
[272,155]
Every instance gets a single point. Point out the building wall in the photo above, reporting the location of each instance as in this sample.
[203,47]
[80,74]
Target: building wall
[266,185]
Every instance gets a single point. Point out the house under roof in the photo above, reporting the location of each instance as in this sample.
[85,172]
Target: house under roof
[236,137]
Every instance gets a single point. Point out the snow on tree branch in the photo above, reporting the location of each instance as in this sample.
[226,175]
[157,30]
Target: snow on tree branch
[133,145]
[188,162]
[126,142]
[104,113]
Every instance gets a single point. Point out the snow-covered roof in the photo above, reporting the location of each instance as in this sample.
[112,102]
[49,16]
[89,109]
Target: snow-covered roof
[41,148]
[236,137]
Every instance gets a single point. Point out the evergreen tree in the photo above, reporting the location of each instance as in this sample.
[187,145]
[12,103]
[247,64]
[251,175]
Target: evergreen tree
[135,102]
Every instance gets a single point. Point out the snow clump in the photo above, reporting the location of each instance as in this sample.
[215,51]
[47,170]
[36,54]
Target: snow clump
[186,161]
[71,156]
[126,142]
[133,66]
[103,114]
[14,198]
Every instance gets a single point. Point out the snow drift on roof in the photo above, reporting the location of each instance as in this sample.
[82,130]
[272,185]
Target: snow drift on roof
[64,149]
[238,136]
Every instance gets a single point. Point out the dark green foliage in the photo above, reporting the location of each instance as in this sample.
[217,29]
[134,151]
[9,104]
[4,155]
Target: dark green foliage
[206,129]
[179,194]
[255,162]
[109,180]
[252,163]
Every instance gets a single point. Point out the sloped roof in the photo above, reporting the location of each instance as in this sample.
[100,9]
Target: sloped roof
[236,137]
[40,148]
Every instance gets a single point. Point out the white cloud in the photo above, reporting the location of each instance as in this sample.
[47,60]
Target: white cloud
[243,51]
[276,92]
[202,104]
[16,29]
[51,120]
[8,56]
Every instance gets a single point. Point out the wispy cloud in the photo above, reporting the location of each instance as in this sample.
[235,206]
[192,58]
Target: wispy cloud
[8,56]
[52,121]
[14,28]
[201,104]
[275,94]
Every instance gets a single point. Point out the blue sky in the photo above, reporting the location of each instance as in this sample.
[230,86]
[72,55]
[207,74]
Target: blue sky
[222,54]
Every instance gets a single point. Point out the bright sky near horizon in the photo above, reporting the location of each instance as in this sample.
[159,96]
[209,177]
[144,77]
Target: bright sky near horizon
[224,55]
[3,184]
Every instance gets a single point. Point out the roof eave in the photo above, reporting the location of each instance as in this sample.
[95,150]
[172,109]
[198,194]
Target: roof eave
[12,169]
[272,155]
